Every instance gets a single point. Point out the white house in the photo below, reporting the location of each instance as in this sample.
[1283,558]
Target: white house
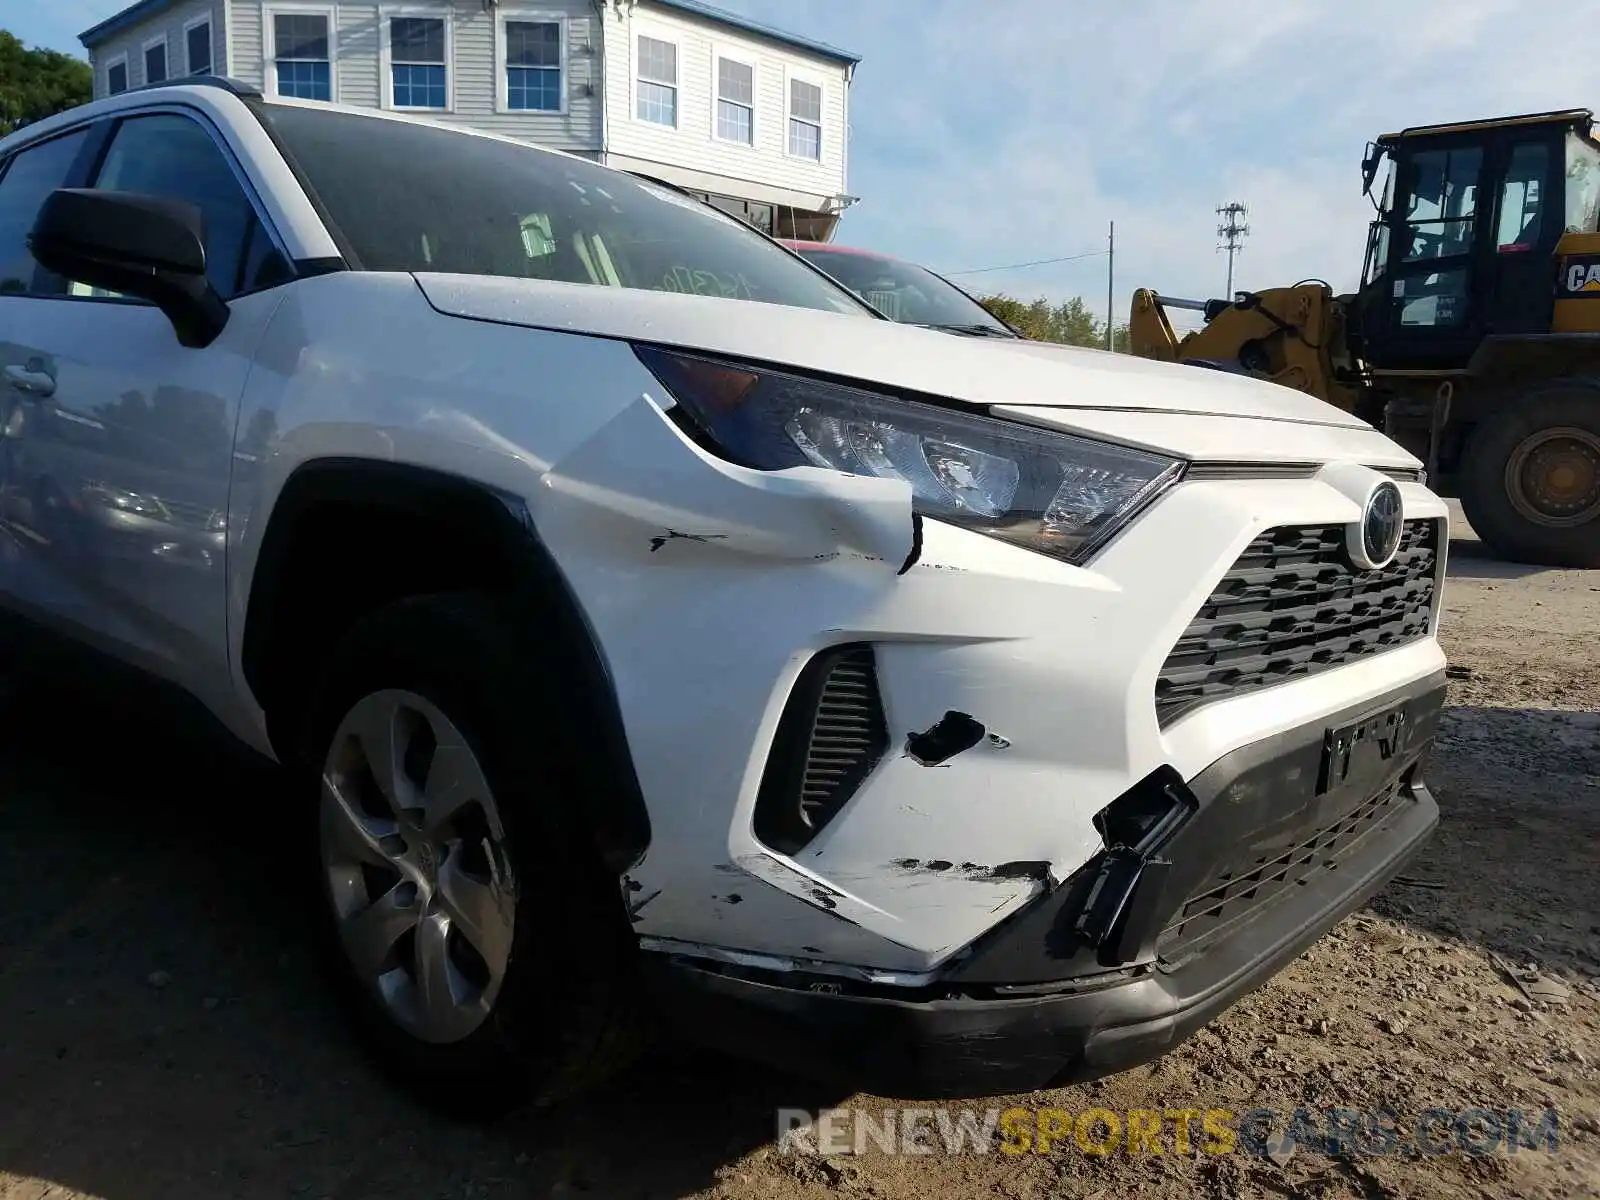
[749,117]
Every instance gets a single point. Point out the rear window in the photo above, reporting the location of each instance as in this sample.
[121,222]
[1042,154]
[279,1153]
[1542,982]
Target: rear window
[410,197]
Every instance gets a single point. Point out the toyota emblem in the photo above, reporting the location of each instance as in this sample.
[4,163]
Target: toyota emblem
[1373,543]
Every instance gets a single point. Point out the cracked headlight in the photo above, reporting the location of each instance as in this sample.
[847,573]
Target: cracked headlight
[1052,492]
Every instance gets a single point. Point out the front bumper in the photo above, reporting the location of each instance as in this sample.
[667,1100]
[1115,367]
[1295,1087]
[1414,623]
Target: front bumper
[1035,1003]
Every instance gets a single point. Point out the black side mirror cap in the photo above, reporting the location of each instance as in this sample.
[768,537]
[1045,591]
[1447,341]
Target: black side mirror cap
[140,245]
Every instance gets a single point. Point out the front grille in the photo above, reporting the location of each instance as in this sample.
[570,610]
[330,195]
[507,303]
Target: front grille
[1292,606]
[1242,890]
[831,735]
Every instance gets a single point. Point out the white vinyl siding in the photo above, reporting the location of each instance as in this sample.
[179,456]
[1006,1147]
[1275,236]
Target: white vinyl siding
[656,81]
[693,145]
[246,38]
[480,49]
[170,25]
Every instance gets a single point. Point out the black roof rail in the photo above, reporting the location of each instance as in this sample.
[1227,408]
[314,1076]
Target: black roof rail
[238,87]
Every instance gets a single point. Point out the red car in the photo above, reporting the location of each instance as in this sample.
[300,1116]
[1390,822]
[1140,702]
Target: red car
[903,291]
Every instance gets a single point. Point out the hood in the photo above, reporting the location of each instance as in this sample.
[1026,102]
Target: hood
[983,371]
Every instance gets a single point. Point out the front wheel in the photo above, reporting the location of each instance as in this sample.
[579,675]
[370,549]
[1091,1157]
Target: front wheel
[1530,478]
[485,954]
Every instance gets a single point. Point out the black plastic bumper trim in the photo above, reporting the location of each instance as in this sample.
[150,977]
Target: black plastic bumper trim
[977,1041]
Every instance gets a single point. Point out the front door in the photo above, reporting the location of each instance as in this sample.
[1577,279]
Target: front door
[124,463]
[27,372]
[1519,291]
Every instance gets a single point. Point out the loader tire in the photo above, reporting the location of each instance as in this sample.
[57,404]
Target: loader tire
[1530,477]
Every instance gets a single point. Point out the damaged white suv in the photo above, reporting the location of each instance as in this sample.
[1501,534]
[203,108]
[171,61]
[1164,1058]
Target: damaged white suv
[661,630]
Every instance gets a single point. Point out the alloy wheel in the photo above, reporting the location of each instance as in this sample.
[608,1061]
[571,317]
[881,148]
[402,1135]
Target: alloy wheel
[415,860]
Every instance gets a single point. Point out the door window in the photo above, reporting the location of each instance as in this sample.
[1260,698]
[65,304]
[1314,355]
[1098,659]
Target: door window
[1432,301]
[1443,203]
[164,154]
[33,174]
[1522,198]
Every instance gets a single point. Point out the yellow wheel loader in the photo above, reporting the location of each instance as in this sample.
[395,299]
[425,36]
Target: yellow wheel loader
[1474,339]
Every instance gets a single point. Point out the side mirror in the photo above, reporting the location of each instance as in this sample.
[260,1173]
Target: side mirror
[139,245]
[1369,168]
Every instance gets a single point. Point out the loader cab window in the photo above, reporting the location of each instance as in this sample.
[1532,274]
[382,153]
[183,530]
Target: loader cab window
[1522,199]
[1583,185]
[1441,202]
[1378,241]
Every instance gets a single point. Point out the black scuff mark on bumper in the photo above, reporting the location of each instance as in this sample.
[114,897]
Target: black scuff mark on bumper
[1036,869]
[952,734]
[657,542]
[916,544]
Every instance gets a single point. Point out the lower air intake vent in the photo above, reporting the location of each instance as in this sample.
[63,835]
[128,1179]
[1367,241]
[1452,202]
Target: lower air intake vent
[830,737]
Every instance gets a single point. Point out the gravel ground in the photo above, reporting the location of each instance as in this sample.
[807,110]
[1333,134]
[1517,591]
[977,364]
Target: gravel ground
[163,1033]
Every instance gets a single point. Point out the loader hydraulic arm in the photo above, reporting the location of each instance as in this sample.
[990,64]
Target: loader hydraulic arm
[1292,336]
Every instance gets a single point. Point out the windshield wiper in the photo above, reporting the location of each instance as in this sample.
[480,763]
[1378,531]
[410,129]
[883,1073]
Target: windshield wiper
[975,330]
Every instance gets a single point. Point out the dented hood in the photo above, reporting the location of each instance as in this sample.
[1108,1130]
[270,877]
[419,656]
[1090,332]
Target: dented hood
[986,371]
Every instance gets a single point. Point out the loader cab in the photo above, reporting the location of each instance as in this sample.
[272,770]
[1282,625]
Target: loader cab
[1464,242]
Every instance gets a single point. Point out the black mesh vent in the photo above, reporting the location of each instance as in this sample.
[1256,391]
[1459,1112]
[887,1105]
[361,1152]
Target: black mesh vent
[830,737]
[1292,606]
[1240,891]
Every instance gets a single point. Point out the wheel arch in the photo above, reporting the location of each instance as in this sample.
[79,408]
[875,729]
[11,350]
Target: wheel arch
[347,536]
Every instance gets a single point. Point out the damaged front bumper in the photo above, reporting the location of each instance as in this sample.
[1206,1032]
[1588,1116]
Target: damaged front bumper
[1261,854]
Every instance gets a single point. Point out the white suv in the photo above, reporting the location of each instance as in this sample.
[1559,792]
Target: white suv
[660,630]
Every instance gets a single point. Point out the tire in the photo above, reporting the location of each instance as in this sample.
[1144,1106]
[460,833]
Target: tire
[1503,454]
[534,996]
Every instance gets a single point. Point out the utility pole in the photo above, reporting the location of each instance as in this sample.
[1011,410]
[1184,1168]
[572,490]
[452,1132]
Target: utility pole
[1232,231]
[1111,285]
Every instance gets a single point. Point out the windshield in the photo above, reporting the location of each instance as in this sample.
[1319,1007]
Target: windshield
[902,291]
[410,197]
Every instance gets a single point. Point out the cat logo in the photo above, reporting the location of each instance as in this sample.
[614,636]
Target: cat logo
[1581,278]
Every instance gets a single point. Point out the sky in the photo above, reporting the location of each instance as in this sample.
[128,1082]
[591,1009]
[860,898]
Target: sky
[993,132]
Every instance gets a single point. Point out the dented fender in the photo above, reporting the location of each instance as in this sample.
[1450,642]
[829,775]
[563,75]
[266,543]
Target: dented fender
[640,470]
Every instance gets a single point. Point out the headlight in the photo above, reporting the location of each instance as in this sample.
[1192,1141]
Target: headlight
[1051,492]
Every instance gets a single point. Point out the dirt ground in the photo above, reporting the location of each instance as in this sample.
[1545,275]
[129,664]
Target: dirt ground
[163,1032]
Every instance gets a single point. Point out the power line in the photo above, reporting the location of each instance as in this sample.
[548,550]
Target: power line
[1038,262]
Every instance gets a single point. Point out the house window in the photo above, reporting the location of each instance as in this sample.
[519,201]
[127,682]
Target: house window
[736,101]
[300,55]
[155,61]
[657,95]
[197,47]
[417,62]
[117,76]
[533,66]
[805,119]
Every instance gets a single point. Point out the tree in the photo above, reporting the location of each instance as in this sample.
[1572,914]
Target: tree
[1070,323]
[38,83]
